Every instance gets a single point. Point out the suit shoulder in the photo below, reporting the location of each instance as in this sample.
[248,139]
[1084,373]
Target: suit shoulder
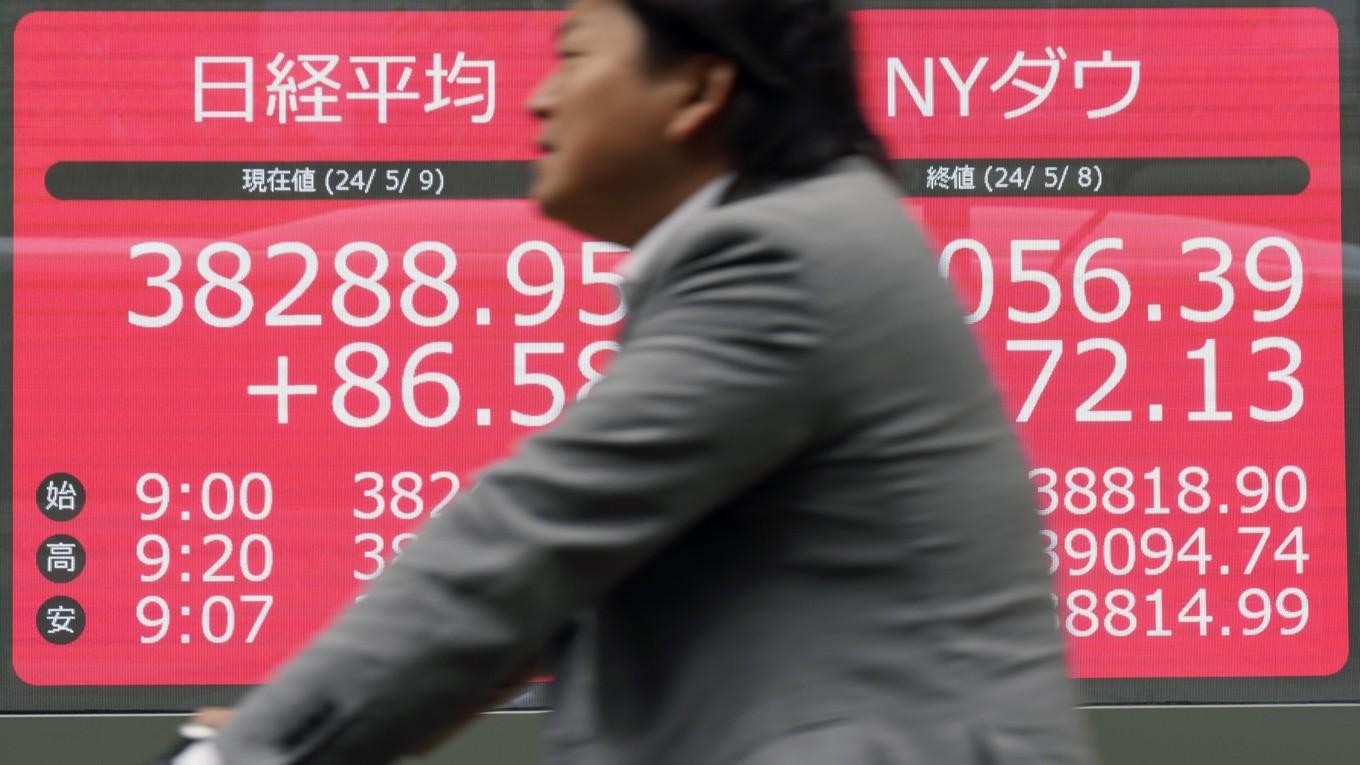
[846,220]
[851,201]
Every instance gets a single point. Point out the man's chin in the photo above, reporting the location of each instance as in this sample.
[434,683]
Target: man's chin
[566,204]
[549,203]
[544,207]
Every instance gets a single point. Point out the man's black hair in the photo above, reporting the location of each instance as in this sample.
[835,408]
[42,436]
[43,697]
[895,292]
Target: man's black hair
[795,104]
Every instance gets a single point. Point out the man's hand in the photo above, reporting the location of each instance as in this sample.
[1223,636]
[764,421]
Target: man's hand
[192,744]
[211,717]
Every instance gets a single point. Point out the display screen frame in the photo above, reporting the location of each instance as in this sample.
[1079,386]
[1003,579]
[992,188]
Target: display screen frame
[17,696]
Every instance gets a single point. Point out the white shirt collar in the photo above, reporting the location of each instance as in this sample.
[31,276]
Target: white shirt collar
[644,252]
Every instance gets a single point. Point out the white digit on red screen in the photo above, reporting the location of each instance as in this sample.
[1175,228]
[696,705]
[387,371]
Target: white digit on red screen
[1256,603]
[1300,485]
[255,559]
[1207,354]
[277,316]
[410,379]
[1114,491]
[1087,411]
[211,575]
[370,284]
[1283,376]
[217,617]
[1293,284]
[406,485]
[1291,550]
[376,553]
[557,394]
[229,496]
[266,602]
[1022,275]
[1054,350]
[154,489]
[1262,536]
[1084,551]
[1157,544]
[265,504]
[256,496]
[1119,619]
[986,275]
[1193,498]
[589,276]
[1196,611]
[1081,617]
[586,363]
[1252,482]
[1214,277]
[164,281]
[252,507]
[1118,551]
[1051,549]
[1118,483]
[1119,543]
[1261,613]
[437,282]
[214,281]
[454,486]
[374,493]
[554,288]
[1193,551]
[226,622]
[1083,274]
[160,621]
[153,550]
[1158,615]
[352,381]
[1046,488]
[1300,613]
[1288,551]
[1154,477]
[1080,497]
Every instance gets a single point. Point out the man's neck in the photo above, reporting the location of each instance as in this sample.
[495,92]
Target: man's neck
[649,214]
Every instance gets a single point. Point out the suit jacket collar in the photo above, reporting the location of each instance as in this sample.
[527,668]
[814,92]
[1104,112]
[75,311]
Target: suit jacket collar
[644,253]
[648,259]
[639,268]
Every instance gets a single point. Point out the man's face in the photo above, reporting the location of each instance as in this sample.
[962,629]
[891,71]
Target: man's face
[604,117]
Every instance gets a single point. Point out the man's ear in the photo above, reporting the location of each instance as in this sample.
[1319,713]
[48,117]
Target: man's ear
[709,82]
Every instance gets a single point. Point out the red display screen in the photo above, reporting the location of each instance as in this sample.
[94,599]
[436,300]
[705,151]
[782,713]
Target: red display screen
[278,297]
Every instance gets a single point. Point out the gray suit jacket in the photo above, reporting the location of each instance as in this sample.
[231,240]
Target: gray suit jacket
[792,526]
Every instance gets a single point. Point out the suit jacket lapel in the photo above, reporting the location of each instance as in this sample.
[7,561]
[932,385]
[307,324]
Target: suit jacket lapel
[635,292]
[638,288]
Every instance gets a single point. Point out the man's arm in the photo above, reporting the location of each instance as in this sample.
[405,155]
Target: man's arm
[711,393]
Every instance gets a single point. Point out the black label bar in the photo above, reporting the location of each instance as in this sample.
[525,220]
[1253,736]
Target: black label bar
[1143,177]
[1127,177]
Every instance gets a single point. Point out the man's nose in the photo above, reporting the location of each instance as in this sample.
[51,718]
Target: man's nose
[539,103]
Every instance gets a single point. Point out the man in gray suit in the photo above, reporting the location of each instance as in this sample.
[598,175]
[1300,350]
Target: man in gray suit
[792,526]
